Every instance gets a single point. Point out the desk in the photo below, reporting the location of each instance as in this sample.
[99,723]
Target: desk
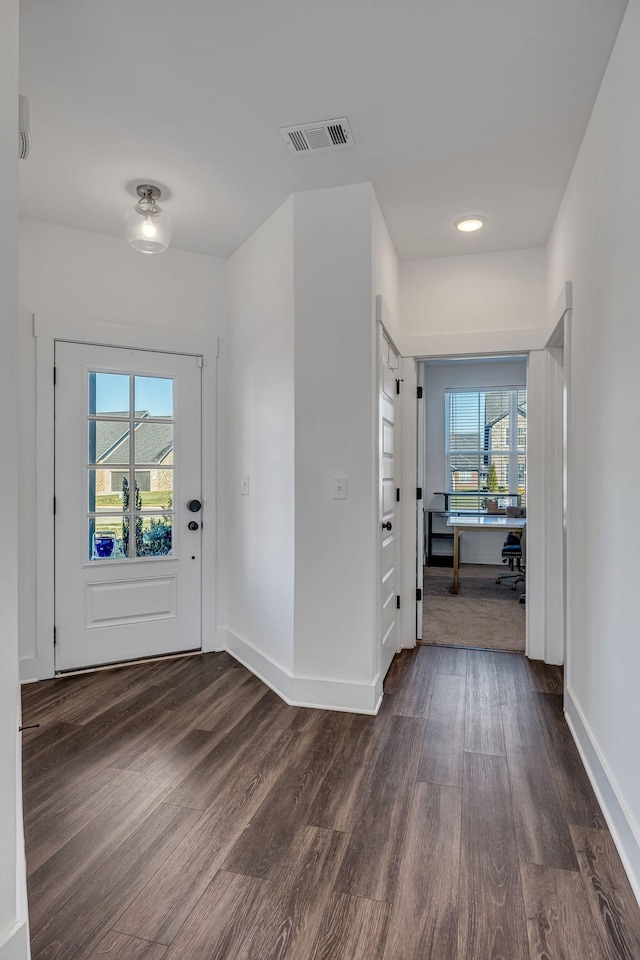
[487,522]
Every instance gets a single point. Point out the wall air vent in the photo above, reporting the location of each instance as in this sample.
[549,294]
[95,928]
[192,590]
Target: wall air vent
[318,137]
[24,130]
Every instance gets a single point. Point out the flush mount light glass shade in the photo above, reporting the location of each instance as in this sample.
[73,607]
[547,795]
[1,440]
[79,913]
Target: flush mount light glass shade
[470,224]
[147,227]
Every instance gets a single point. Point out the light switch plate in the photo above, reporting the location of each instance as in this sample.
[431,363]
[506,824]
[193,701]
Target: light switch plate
[339,488]
[244,486]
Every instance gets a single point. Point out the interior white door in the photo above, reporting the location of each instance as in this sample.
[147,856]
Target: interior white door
[389,614]
[127,505]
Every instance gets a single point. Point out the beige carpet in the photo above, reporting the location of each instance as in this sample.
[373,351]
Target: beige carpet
[483,614]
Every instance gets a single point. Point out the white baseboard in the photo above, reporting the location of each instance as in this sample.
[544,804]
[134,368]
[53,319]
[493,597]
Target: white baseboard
[15,946]
[313,692]
[30,669]
[620,821]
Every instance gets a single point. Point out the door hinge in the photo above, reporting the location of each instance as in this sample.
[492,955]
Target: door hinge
[55,638]
[397,386]
[54,376]
[397,494]
[398,602]
[418,593]
[201,361]
[418,493]
[54,506]
[419,393]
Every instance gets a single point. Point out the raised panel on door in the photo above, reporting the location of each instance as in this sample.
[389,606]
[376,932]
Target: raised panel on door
[127,462]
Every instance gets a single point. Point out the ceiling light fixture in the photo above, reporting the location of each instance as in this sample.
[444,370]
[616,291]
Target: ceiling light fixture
[146,226]
[470,223]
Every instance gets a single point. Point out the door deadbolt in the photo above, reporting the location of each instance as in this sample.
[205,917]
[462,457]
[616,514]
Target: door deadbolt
[193,525]
[194,505]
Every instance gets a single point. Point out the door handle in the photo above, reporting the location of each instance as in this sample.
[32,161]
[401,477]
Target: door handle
[387,525]
[193,525]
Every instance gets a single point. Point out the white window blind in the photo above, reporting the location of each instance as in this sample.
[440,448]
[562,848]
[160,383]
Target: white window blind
[486,445]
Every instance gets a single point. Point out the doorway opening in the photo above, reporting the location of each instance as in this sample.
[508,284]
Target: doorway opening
[473,461]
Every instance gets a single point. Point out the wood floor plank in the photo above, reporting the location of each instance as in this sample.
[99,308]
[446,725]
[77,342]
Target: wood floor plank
[91,747]
[545,677]
[443,747]
[200,788]
[80,923]
[483,719]
[55,880]
[574,786]
[335,805]
[47,737]
[491,912]
[512,678]
[224,921]
[559,921]
[424,916]
[613,904]
[541,823]
[115,946]
[70,812]
[161,907]
[266,840]
[352,929]
[372,862]
[300,894]
[398,671]
[414,696]
[452,661]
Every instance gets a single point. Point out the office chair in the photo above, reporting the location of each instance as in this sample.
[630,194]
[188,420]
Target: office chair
[513,551]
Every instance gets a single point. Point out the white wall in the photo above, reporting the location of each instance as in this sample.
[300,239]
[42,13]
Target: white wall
[437,378]
[94,277]
[334,376]
[453,302]
[596,244]
[260,526]
[385,268]
[13,930]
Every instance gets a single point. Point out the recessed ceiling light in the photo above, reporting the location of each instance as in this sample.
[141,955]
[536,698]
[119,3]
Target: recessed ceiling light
[470,223]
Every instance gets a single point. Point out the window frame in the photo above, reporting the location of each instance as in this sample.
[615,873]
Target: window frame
[514,453]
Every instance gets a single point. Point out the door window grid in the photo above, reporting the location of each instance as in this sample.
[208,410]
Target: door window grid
[130,469]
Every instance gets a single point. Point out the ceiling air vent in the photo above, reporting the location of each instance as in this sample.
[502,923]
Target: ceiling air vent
[24,131]
[318,137]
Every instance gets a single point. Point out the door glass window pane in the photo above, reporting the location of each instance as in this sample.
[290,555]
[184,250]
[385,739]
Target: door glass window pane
[107,490]
[155,489]
[108,441]
[154,535]
[154,396]
[153,443]
[108,538]
[109,394]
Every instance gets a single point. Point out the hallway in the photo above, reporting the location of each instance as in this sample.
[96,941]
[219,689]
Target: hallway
[180,810]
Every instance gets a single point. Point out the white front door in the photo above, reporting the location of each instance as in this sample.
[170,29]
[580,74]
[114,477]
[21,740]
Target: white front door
[127,505]
[389,460]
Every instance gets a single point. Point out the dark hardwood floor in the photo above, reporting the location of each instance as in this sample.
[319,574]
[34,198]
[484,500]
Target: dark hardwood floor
[180,811]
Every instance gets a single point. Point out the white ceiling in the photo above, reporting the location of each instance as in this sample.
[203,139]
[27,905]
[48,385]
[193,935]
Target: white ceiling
[456,106]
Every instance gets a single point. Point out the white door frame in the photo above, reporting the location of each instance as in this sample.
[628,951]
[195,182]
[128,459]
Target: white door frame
[558,478]
[47,329]
[533,344]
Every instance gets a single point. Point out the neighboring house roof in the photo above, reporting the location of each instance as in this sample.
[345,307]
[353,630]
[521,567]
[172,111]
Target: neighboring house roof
[153,441]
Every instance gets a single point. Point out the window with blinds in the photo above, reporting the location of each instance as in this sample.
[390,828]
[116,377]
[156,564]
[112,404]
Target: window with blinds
[486,445]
